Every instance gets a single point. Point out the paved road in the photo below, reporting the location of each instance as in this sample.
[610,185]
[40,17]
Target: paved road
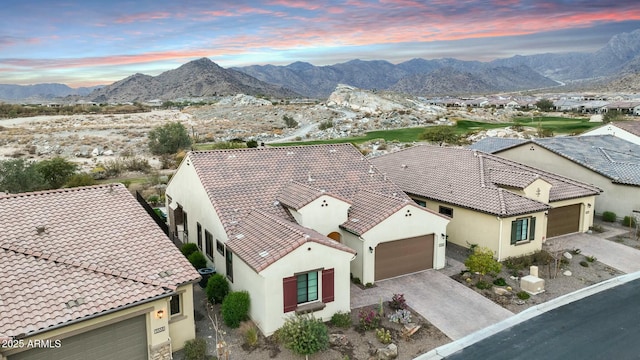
[450,306]
[601,326]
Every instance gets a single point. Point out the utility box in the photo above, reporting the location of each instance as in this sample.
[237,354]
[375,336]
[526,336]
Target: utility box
[532,284]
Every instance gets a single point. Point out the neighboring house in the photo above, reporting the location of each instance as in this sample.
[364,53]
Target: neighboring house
[87,274]
[492,202]
[627,130]
[606,161]
[290,224]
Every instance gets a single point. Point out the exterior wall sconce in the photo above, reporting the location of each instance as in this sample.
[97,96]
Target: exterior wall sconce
[589,205]
[444,236]
[159,314]
[370,250]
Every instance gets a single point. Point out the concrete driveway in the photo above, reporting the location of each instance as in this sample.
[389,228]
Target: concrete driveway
[450,306]
[618,256]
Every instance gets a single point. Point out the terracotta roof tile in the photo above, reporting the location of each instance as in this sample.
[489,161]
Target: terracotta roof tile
[92,243]
[472,179]
[266,179]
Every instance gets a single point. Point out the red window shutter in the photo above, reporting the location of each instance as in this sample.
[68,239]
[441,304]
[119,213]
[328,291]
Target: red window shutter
[290,293]
[327,286]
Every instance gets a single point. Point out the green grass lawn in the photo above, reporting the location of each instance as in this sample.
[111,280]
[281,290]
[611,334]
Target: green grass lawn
[559,125]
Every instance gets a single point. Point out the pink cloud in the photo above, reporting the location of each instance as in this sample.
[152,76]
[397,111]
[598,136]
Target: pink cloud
[143,17]
[296,4]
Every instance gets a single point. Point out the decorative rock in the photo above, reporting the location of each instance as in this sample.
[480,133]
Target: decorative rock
[338,339]
[500,291]
[567,255]
[108,153]
[567,273]
[389,352]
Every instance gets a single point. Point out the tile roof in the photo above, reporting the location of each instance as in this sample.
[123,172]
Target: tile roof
[92,244]
[494,144]
[630,126]
[472,179]
[283,237]
[371,208]
[241,180]
[608,155]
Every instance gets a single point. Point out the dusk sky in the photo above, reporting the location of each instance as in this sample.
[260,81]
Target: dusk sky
[90,42]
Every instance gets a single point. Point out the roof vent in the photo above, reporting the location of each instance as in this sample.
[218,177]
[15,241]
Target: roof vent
[309,178]
[165,273]
[74,303]
[290,152]
[371,169]
[263,253]
[306,237]
[276,203]
[41,229]
[404,166]
[332,150]
[240,236]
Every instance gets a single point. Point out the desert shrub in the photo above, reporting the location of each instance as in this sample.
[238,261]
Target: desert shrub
[341,319]
[304,335]
[136,164]
[384,336]
[80,179]
[523,295]
[217,288]
[289,121]
[368,319]
[401,316]
[597,228]
[482,261]
[249,333]
[252,144]
[591,258]
[188,249]
[356,280]
[609,216]
[197,260]
[235,308]
[398,302]
[584,263]
[195,349]
[325,125]
[483,285]
[499,282]
[628,221]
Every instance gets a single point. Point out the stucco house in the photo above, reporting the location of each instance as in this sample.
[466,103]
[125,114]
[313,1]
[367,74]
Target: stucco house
[87,274]
[492,202]
[606,161]
[626,130]
[291,224]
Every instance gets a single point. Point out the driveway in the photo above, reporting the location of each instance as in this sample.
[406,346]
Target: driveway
[618,256]
[450,306]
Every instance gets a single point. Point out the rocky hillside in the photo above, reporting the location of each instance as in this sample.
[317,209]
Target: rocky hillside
[40,91]
[198,78]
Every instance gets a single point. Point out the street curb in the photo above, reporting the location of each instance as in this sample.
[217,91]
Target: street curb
[455,346]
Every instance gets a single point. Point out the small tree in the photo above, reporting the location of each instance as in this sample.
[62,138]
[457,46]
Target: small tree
[217,288]
[544,105]
[305,335]
[197,260]
[235,308]
[169,139]
[289,121]
[482,261]
[19,175]
[440,134]
[188,249]
[611,116]
[56,172]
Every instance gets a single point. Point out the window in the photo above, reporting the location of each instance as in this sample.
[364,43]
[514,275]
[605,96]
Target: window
[523,230]
[220,247]
[174,305]
[304,288]
[199,236]
[307,285]
[445,211]
[420,202]
[208,238]
[229,265]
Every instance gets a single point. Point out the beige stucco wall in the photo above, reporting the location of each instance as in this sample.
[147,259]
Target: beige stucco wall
[507,250]
[538,190]
[183,327]
[323,214]
[398,226]
[615,131]
[265,288]
[621,199]
[356,243]
[148,310]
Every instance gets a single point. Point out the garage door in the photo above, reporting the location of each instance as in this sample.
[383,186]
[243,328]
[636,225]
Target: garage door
[124,340]
[563,220]
[404,256]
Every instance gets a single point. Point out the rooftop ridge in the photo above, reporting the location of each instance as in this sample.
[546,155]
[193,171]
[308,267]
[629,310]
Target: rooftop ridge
[62,190]
[503,206]
[481,165]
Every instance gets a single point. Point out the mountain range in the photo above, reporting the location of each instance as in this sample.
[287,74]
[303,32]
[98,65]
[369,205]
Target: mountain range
[618,59]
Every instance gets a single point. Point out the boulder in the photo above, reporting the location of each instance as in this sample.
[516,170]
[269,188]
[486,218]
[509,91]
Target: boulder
[338,340]
[568,255]
[500,291]
[567,273]
[389,352]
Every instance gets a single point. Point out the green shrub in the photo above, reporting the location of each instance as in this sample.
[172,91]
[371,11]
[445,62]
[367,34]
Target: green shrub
[384,336]
[482,261]
[591,258]
[252,144]
[597,228]
[628,221]
[217,288]
[249,332]
[197,260]
[341,319]
[188,249]
[523,295]
[584,263]
[235,308]
[483,285]
[289,121]
[304,335]
[500,282]
[325,125]
[609,216]
[195,349]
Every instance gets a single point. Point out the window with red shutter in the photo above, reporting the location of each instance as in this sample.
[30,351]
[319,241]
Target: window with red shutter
[327,285]
[290,293]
